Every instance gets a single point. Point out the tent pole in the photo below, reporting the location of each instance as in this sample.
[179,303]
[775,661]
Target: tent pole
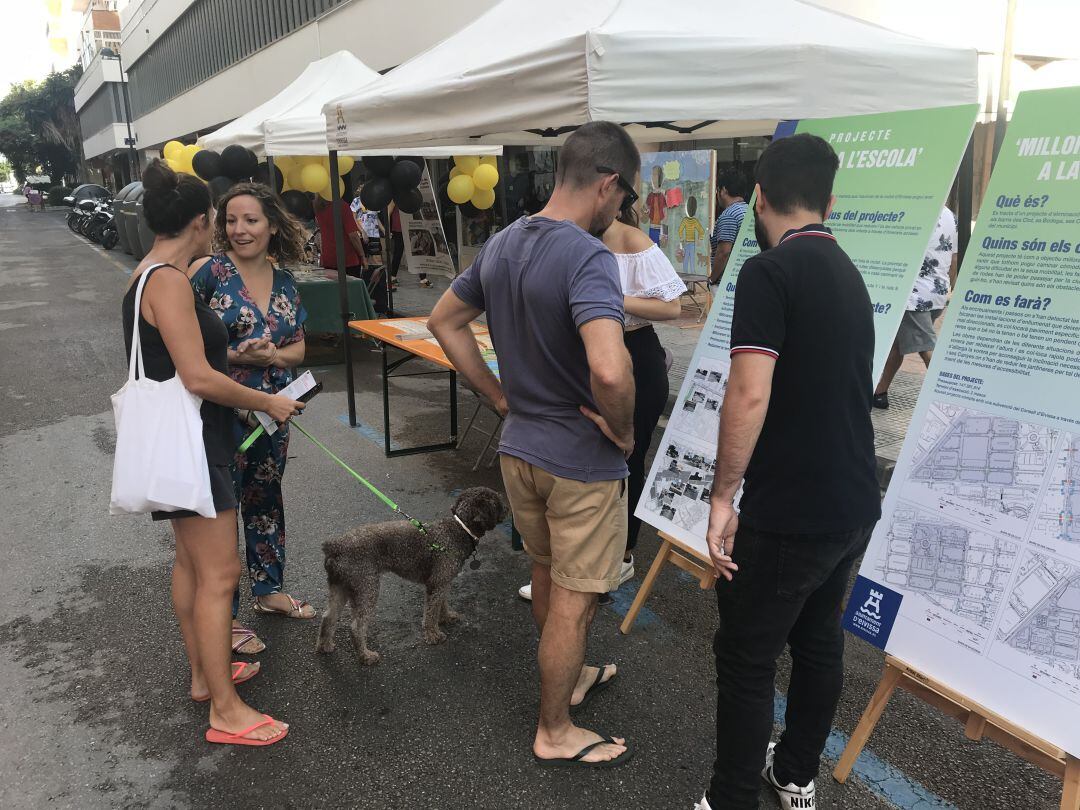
[388,258]
[343,286]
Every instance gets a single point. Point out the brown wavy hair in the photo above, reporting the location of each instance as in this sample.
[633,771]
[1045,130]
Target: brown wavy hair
[287,245]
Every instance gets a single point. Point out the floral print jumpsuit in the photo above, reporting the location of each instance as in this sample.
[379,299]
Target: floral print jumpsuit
[257,473]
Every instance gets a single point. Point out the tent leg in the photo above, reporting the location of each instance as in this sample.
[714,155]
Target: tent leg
[388,258]
[343,287]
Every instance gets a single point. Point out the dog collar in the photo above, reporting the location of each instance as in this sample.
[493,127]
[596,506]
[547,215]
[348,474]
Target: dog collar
[468,531]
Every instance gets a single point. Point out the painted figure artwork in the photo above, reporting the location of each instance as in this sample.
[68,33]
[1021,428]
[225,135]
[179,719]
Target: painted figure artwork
[678,204]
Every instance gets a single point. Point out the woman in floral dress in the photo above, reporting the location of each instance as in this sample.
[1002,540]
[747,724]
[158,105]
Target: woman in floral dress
[260,305]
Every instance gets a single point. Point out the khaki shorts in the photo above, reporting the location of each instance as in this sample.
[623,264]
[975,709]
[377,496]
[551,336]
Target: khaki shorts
[577,529]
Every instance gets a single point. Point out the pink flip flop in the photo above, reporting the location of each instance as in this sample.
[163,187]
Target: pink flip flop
[224,737]
[249,671]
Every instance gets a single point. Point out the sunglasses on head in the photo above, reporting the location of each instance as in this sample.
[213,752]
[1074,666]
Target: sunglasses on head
[631,195]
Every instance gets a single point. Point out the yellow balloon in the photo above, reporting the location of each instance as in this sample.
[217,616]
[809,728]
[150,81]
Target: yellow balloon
[454,172]
[284,164]
[483,198]
[490,160]
[467,163]
[172,150]
[294,179]
[460,189]
[345,164]
[327,194]
[309,160]
[175,165]
[191,150]
[485,177]
[314,177]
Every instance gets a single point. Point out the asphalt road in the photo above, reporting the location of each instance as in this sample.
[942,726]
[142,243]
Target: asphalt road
[95,712]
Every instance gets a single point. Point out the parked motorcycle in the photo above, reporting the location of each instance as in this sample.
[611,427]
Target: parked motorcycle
[100,219]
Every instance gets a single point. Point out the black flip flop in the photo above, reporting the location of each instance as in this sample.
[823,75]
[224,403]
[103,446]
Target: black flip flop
[596,687]
[578,761]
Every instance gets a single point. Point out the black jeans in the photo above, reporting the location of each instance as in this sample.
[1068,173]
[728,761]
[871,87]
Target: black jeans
[789,589]
[650,399]
[379,293]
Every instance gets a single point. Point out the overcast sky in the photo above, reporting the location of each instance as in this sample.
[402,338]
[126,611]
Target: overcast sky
[25,53]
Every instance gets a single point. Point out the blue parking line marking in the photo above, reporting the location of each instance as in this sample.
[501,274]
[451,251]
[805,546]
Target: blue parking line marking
[367,432]
[624,598]
[883,780]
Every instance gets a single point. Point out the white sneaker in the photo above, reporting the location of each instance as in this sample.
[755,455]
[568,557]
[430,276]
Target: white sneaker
[626,573]
[792,797]
[703,804]
[525,592]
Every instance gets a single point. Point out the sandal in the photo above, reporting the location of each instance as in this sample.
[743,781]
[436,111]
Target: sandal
[245,642]
[239,738]
[297,611]
[242,671]
[579,759]
[597,686]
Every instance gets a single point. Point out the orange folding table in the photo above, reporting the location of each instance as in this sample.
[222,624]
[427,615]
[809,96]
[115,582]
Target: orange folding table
[411,337]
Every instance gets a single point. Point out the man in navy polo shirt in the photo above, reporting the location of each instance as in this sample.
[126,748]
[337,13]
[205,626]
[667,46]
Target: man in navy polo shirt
[795,432]
[554,306]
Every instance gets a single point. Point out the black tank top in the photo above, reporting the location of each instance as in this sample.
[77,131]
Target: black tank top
[217,419]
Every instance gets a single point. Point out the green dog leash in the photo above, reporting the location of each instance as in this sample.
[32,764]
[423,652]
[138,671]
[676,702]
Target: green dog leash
[259,431]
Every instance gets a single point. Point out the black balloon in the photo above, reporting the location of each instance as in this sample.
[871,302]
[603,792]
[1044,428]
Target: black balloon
[218,186]
[238,162]
[376,194]
[378,166]
[298,204]
[409,201]
[262,175]
[405,175]
[207,164]
[419,161]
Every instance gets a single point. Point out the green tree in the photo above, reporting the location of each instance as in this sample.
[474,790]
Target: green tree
[39,128]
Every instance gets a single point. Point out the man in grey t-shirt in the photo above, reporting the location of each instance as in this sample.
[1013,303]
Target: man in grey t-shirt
[554,306]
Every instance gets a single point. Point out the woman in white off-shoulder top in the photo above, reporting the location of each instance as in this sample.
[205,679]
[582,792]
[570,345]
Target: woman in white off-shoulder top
[651,290]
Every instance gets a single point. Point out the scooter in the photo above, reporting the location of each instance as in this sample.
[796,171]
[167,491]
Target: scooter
[100,219]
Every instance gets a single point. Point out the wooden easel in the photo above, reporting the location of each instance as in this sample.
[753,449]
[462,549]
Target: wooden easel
[679,554]
[978,722]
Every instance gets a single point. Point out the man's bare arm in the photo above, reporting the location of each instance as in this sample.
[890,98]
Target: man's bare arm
[719,261]
[745,405]
[449,323]
[611,376]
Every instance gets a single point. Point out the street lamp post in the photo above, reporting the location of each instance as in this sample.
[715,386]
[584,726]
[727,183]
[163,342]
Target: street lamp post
[109,53]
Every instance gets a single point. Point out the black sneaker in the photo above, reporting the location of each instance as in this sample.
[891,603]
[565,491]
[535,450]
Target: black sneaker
[881,400]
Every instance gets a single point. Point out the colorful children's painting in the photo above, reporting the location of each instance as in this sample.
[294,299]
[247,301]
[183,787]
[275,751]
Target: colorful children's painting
[678,204]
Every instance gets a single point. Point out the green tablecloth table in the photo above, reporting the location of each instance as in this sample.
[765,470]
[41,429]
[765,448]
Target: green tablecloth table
[319,294]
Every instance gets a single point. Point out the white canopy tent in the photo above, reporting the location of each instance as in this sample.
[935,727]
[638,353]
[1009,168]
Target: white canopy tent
[291,123]
[691,69]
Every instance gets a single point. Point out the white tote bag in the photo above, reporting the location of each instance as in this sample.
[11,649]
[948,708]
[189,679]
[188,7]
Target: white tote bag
[160,459]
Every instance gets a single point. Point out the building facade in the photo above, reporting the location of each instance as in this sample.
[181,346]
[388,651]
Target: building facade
[193,65]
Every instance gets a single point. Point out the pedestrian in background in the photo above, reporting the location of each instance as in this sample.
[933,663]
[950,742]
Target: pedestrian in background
[732,192]
[258,302]
[356,261]
[927,301]
[795,433]
[550,290]
[180,334]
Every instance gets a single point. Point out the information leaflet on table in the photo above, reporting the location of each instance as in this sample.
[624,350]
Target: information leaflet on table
[895,170]
[973,573]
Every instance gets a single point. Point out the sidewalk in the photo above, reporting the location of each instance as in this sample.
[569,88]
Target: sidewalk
[680,337]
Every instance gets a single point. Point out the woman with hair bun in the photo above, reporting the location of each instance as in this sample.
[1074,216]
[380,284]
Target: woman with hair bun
[258,302]
[182,336]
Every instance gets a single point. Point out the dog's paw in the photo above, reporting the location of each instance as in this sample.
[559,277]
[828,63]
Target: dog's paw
[325,646]
[370,658]
[434,637]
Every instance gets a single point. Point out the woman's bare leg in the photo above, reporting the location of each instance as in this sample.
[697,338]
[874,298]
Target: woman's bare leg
[210,546]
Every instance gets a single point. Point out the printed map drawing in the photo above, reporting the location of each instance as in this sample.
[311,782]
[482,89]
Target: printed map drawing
[697,412]
[993,464]
[1042,617]
[1058,516]
[959,569]
[679,491]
